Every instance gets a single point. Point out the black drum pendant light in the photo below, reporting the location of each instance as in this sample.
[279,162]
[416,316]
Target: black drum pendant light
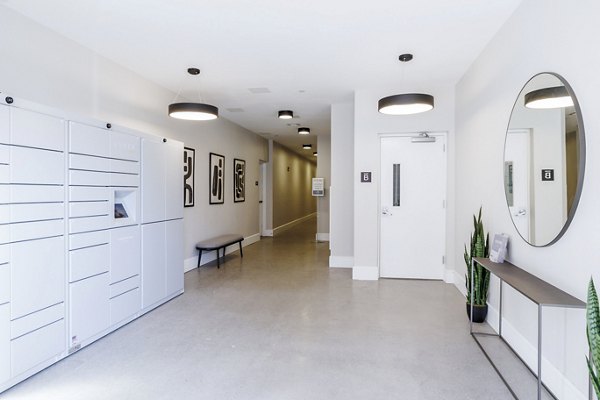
[193,111]
[552,97]
[407,103]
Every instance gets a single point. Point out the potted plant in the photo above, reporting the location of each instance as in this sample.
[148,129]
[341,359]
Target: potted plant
[481,276]
[593,336]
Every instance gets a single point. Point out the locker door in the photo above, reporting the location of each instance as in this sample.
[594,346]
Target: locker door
[153,181]
[153,263]
[174,179]
[174,262]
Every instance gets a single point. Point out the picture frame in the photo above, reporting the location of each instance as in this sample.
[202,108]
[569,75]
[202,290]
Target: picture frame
[239,180]
[189,172]
[216,178]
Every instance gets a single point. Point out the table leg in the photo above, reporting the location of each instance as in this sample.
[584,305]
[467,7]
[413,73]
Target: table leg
[539,358]
[199,257]
[218,258]
[241,253]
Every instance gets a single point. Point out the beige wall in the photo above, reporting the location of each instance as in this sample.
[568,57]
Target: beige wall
[292,179]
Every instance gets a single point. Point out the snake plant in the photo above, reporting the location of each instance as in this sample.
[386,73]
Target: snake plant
[593,336]
[481,276]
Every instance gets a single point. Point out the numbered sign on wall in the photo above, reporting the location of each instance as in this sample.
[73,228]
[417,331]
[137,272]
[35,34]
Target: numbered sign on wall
[216,179]
[189,167]
[239,180]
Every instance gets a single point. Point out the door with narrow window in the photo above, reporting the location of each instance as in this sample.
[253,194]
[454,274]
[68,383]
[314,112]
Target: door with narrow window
[517,172]
[413,202]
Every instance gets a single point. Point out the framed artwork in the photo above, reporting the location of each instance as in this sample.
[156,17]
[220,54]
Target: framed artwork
[239,180]
[216,176]
[189,170]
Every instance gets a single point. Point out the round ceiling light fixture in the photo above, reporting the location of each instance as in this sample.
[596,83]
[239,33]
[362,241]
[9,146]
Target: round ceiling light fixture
[285,114]
[407,103]
[303,130]
[307,146]
[552,97]
[315,153]
[193,111]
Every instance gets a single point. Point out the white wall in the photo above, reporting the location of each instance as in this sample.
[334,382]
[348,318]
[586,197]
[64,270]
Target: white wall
[341,195]
[44,67]
[323,171]
[368,124]
[561,37]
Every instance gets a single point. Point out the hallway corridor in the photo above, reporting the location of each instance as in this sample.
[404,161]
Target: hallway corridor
[279,324]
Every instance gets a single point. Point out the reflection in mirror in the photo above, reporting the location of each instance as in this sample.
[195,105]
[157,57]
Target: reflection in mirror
[544,159]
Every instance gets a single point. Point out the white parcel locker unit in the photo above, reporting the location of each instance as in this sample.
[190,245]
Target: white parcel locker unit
[32,256]
[162,220]
[57,296]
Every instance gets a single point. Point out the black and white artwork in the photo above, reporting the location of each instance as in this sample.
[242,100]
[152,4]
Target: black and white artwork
[239,180]
[189,167]
[216,179]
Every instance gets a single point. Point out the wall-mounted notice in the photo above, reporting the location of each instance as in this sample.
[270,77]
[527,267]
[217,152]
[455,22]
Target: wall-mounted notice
[318,186]
[365,177]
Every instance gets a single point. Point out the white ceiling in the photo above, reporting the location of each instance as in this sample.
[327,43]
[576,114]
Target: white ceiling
[308,53]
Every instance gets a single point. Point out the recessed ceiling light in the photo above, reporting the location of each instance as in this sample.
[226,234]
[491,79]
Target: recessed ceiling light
[314,153]
[307,146]
[259,90]
[304,130]
[285,114]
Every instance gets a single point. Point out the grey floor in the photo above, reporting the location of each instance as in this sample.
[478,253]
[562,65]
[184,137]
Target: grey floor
[279,324]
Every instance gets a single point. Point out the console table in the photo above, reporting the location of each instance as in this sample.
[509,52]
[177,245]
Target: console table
[538,291]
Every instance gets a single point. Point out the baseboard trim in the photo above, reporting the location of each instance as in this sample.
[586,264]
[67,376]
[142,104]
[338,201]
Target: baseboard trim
[267,233]
[286,226]
[192,262]
[449,275]
[370,273]
[341,262]
[460,283]
[553,378]
[322,237]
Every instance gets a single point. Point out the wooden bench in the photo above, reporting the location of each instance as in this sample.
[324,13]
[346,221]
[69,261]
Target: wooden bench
[218,243]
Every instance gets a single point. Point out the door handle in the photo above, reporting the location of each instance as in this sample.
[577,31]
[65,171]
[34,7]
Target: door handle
[520,213]
[385,211]
[260,202]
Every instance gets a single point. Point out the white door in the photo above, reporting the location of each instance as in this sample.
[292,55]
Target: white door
[412,214]
[516,180]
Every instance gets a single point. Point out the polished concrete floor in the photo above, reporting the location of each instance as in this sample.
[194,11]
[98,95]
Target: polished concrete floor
[279,324]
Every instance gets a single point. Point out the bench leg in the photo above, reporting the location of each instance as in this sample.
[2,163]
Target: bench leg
[218,258]
[199,257]
[241,253]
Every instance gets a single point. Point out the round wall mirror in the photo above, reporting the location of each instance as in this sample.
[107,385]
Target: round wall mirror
[544,159]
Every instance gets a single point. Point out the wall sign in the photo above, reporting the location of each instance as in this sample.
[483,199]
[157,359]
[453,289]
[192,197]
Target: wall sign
[216,179]
[189,170]
[365,176]
[547,175]
[239,180]
[318,187]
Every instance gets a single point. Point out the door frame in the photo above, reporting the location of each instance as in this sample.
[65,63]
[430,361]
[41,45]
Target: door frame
[262,207]
[443,134]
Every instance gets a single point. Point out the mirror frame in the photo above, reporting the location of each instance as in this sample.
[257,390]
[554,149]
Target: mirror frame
[582,158]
